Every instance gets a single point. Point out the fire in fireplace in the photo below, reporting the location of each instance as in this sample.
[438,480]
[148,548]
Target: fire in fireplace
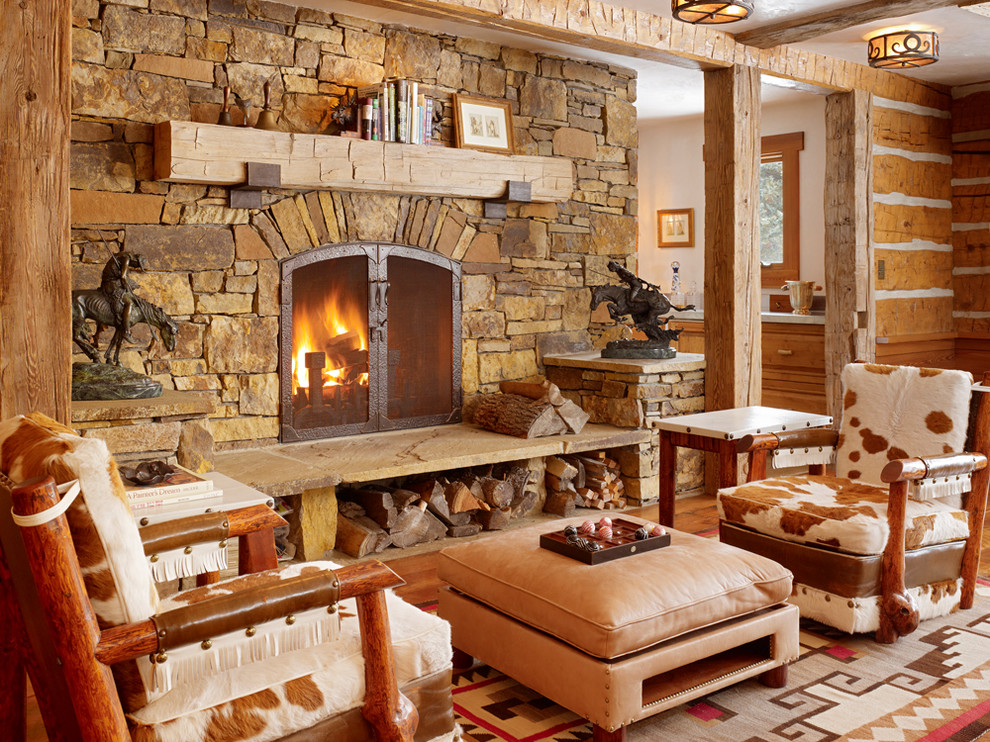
[370,340]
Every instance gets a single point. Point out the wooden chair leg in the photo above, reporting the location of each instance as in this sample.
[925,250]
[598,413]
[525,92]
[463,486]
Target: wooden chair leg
[600,735]
[462,660]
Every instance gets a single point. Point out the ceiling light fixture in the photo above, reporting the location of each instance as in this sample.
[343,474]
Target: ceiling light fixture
[902,49]
[702,11]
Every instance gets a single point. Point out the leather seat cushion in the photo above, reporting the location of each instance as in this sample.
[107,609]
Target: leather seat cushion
[611,609]
[837,513]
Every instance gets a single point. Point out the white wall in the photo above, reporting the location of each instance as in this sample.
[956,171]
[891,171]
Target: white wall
[671,176]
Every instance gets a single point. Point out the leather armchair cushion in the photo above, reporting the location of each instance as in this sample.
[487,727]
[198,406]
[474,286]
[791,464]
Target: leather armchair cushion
[609,610]
[838,513]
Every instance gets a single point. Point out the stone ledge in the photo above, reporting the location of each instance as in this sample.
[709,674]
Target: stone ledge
[293,468]
[170,404]
[593,360]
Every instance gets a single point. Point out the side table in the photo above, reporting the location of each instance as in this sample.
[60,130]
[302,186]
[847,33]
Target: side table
[718,432]
[252,520]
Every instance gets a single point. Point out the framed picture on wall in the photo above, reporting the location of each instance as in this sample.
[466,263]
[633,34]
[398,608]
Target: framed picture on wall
[483,123]
[675,228]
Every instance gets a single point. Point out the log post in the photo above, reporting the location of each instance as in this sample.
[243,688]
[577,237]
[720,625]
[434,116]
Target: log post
[850,314]
[976,503]
[391,714]
[75,633]
[35,277]
[733,375]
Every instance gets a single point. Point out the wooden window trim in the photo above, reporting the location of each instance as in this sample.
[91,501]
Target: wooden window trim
[785,148]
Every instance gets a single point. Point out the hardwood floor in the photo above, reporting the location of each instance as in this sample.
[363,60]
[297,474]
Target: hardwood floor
[693,514]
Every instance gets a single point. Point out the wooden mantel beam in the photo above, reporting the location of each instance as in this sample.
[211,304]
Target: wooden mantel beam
[593,24]
[818,24]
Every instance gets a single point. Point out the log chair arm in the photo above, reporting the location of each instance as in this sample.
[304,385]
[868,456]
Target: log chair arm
[253,525]
[391,714]
[759,446]
[898,609]
[196,529]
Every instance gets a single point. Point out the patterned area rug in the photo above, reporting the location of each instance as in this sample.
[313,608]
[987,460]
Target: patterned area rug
[933,686]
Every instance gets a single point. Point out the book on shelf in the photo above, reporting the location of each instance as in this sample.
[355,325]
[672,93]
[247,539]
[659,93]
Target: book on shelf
[399,110]
[154,502]
[180,482]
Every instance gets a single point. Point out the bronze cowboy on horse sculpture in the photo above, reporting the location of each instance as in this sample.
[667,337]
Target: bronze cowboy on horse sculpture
[646,305]
[116,305]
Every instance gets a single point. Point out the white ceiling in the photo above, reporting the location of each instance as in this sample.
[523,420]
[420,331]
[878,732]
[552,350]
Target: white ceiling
[665,91]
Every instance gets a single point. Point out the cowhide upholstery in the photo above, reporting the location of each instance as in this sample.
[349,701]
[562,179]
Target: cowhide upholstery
[893,412]
[265,698]
[114,567]
[889,413]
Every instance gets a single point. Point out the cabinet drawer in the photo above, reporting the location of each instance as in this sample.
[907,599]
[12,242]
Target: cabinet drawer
[794,346]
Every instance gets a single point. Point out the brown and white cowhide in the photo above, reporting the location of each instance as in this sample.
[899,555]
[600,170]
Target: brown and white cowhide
[271,699]
[114,567]
[837,513]
[895,412]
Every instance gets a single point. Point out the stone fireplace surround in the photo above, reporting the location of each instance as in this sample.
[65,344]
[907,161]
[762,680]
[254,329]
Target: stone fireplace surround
[526,278]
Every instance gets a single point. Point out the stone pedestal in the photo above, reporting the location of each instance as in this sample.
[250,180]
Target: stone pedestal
[173,427]
[636,393]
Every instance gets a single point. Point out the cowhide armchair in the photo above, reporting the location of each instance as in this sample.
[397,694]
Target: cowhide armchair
[310,651]
[893,537]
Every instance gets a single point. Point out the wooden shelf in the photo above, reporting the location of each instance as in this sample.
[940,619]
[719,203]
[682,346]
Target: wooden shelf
[190,152]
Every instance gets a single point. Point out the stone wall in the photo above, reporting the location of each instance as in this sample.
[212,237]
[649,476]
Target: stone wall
[526,278]
[638,394]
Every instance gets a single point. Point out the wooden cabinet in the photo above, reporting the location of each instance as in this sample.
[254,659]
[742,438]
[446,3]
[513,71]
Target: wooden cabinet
[794,366]
[793,362]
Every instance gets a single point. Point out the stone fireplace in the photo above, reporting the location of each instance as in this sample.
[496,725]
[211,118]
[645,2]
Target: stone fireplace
[370,340]
[499,292]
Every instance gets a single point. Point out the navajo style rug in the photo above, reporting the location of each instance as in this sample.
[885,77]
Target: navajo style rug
[932,686]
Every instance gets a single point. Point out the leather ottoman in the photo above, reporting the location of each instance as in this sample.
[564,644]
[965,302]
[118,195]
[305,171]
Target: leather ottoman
[626,639]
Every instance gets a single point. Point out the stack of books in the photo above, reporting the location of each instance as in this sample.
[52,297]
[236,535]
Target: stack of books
[180,486]
[396,111]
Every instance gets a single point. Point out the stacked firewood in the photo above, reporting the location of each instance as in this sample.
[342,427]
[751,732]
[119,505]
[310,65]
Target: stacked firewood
[589,480]
[529,410]
[373,517]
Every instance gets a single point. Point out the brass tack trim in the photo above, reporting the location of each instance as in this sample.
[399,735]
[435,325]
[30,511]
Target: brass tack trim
[153,558]
[207,644]
[250,631]
[160,658]
[187,550]
[144,521]
[223,544]
[332,608]
[290,619]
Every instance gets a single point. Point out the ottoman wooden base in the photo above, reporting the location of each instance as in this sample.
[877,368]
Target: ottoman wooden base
[612,694]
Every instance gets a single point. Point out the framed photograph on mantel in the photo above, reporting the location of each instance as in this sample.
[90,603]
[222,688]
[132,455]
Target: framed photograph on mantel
[483,123]
[675,228]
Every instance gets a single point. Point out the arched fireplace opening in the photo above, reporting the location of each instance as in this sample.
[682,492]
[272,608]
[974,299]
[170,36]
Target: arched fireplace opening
[370,340]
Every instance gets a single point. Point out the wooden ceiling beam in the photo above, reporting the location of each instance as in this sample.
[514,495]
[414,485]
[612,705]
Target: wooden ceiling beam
[593,24]
[818,24]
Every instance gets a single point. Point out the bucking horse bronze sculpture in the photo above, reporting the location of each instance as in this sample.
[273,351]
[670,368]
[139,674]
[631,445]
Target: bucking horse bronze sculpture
[646,305]
[115,305]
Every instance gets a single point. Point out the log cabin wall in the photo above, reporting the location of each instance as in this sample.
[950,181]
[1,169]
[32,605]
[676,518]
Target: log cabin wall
[215,269]
[913,259]
[971,224]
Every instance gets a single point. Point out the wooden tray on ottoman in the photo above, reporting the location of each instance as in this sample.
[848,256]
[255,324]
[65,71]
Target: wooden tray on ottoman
[623,543]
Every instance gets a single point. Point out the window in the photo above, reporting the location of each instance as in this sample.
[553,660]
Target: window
[780,215]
